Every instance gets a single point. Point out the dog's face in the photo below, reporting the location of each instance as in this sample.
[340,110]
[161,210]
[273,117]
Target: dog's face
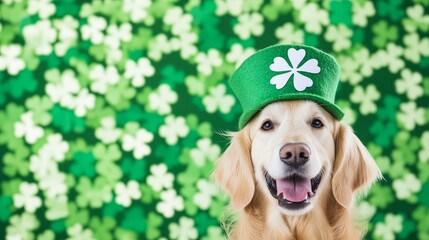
[295,153]
[292,149]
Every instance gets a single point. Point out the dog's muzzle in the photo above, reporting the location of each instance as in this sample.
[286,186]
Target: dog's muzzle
[294,191]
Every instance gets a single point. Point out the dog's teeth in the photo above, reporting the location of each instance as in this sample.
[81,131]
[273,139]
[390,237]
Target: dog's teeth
[307,199]
[284,197]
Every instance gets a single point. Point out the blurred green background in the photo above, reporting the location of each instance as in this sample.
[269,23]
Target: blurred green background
[109,110]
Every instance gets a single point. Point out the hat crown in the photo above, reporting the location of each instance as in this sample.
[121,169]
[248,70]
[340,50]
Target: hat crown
[286,72]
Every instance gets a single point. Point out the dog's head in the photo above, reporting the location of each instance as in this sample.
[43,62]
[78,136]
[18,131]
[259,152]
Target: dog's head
[295,152]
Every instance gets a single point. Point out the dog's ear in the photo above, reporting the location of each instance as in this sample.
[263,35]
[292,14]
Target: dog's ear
[354,168]
[234,170]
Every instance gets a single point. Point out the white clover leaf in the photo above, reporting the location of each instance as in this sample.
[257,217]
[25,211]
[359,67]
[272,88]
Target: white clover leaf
[300,81]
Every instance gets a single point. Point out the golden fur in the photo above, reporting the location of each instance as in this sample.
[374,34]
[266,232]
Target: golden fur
[347,169]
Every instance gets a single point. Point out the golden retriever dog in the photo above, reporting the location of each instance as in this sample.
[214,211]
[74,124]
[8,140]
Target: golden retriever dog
[293,172]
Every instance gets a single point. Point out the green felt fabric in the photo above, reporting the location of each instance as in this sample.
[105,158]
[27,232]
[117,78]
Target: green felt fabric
[252,84]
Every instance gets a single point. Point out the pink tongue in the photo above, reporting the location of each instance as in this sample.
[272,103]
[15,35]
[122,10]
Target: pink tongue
[294,189]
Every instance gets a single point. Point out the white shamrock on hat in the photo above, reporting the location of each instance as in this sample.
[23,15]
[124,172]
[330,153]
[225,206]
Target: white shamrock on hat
[300,82]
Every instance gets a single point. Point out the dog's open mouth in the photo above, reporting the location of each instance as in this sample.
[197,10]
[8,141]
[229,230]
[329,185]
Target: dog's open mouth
[293,192]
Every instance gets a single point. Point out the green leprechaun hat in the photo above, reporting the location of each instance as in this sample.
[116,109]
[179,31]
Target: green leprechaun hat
[286,72]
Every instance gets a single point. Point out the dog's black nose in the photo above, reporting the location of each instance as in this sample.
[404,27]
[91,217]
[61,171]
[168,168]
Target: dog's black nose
[295,154]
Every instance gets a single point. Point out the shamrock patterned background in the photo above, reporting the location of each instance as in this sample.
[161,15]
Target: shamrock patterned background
[110,111]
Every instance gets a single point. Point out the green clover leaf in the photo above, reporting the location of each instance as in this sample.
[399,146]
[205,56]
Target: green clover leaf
[154,221]
[46,235]
[388,229]
[14,13]
[391,8]
[67,7]
[125,234]
[66,120]
[165,152]
[109,171]
[6,207]
[384,33]
[407,187]
[134,169]
[84,164]
[183,230]
[23,83]
[366,98]
[56,208]
[148,194]
[16,162]
[422,195]
[375,150]
[139,41]
[420,214]
[416,20]
[172,76]
[195,86]
[203,221]
[8,119]
[40,107]
[22,226]
[77,232]
[217,208]
[135,219]
[132,114]
[406,148]
[76,215]
[119,95]
[271,11]
[158,8]
[341,12]
[423,171]
[112,209]
[93,194]
[103,227]
[109,153]
[11,187]
[381,196]
[214,233]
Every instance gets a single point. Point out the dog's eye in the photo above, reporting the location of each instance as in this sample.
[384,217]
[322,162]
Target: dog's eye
[316,123]
[267,125]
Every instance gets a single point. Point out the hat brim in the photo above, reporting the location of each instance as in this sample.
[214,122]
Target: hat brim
[328,106]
